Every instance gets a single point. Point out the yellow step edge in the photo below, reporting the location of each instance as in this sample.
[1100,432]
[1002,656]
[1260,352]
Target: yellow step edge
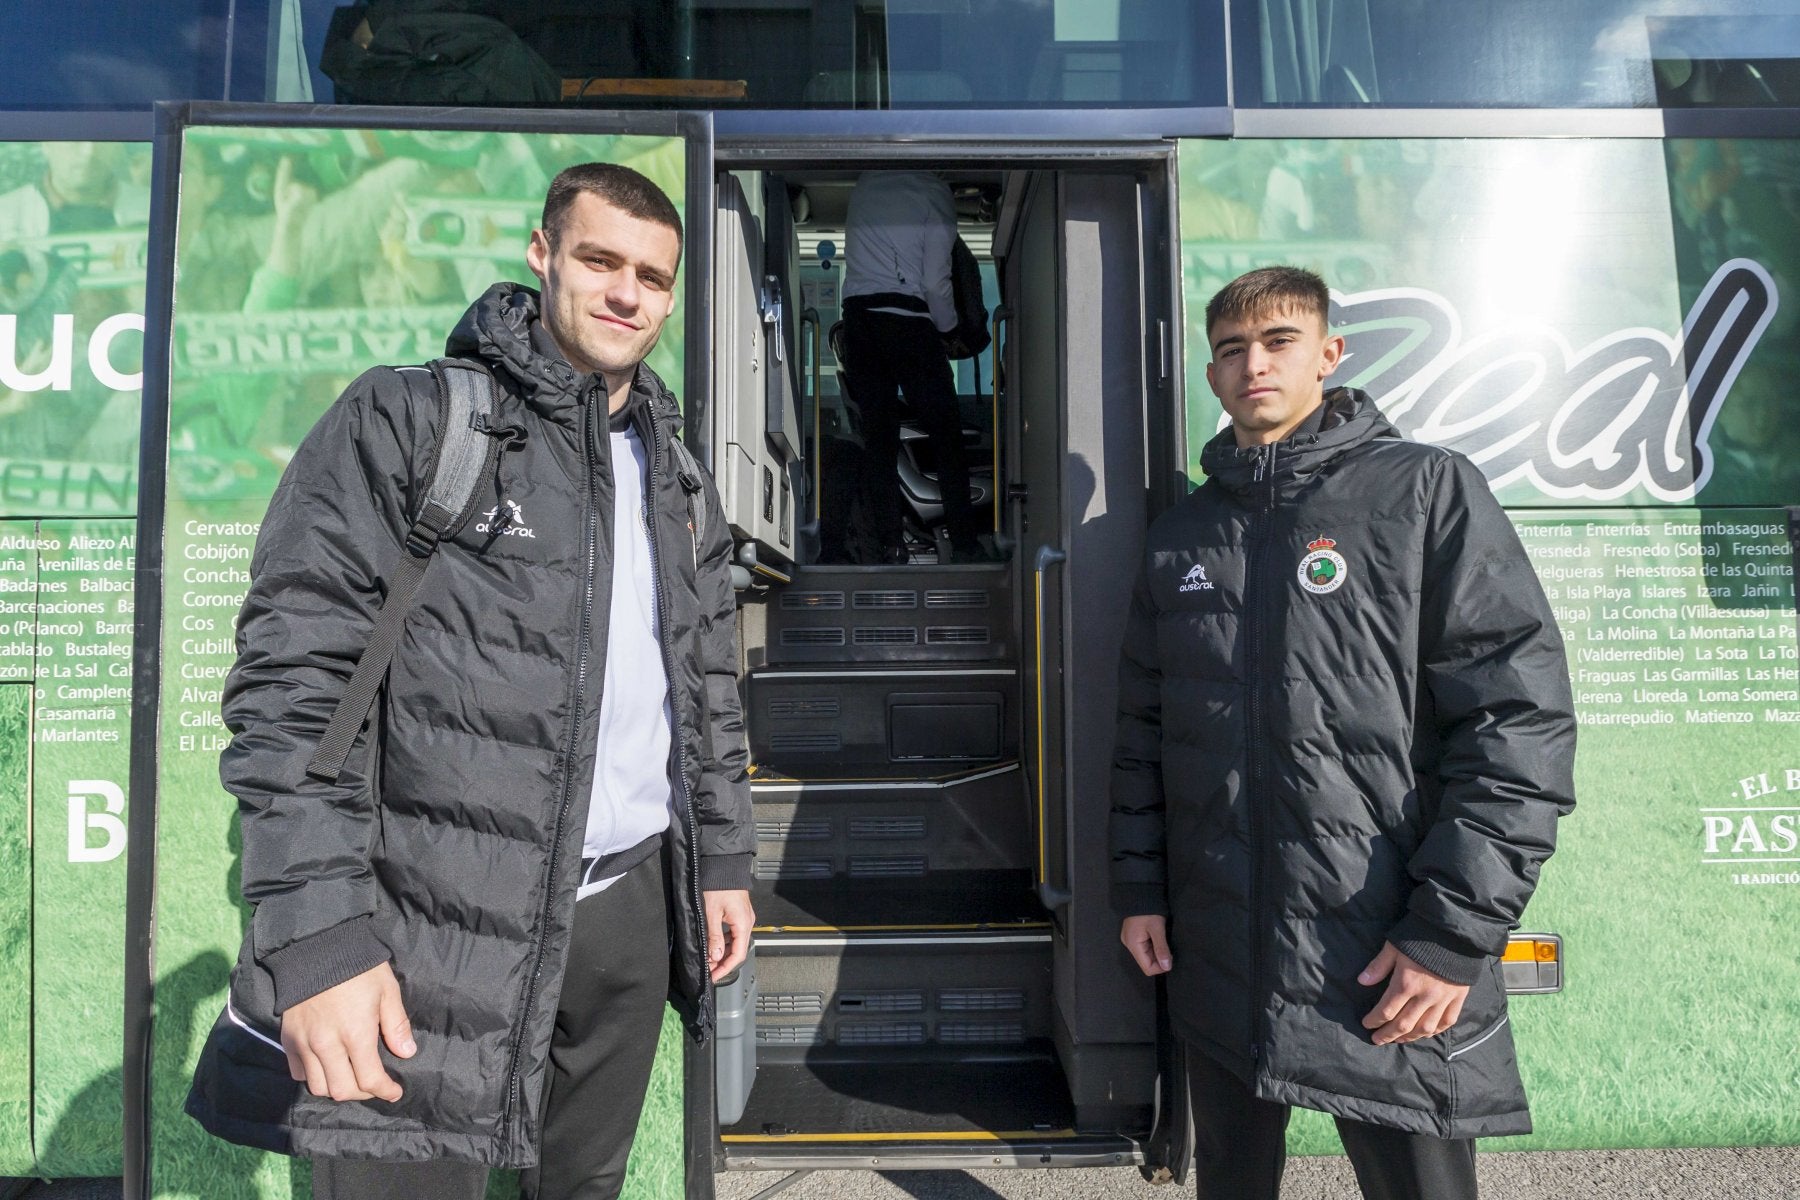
[970,1135]
[976,927]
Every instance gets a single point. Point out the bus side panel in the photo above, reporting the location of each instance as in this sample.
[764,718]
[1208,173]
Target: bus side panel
[1678,869]
[15,924]
[1599,325]
[80,764]
[72,237]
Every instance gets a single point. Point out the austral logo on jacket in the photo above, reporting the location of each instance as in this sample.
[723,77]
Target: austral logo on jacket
[1196,580]
[506,519]
[1323,570]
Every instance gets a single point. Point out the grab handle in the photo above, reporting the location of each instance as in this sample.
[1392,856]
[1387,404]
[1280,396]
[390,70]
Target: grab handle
[1052,896]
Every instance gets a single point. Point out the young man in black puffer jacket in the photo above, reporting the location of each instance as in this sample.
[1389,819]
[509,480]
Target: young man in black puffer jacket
[1345,737]
[460,949]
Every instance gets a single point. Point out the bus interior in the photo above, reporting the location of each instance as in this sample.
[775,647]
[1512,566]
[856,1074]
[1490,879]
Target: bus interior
[937,976]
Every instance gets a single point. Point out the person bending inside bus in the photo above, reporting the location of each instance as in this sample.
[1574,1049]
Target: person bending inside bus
[1345,736]
[898,305]
[461,945]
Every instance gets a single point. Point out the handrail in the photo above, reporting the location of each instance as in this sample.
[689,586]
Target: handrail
[810,316]
[1051,896]
[1002,315]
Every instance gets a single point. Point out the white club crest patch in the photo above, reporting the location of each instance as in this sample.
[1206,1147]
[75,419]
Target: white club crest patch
[1323,569]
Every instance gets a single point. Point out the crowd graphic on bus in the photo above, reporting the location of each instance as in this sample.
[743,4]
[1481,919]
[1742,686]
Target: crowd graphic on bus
[73,218]
[364,248]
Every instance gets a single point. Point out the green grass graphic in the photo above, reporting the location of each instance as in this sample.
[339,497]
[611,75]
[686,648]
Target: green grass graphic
[15,931]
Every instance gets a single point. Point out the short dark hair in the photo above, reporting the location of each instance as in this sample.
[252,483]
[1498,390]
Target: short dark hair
[1266,290]
[629,191]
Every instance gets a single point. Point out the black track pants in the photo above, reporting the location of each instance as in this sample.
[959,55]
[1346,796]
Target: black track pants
[607,1024]
[887,355]
[1240,1147]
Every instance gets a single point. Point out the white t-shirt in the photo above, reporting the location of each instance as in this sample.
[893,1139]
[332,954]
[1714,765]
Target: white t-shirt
[632,797]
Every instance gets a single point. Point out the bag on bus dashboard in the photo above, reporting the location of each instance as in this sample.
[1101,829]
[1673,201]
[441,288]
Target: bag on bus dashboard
[431,52]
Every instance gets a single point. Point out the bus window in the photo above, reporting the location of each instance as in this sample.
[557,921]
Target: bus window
[107,57]
[1515,53]
[113,55]
[817,54]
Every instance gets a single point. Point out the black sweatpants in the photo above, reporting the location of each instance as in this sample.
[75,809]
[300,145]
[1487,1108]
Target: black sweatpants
[608,1020]
[1240,1147]
[887,355]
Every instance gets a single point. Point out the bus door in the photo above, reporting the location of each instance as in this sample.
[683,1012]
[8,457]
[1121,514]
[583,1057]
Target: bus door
[937,978]
[1090,292]
[256,324]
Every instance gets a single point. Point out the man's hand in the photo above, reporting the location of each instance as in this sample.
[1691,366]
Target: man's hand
[1147,939]
[332,1038]
[729,919]
[1417,1004]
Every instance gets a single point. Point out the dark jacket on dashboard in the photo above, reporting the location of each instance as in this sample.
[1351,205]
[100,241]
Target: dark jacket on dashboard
[1345,719]
[452,843]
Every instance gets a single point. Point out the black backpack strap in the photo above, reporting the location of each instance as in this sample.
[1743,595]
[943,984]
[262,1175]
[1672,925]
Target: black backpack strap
[461,473]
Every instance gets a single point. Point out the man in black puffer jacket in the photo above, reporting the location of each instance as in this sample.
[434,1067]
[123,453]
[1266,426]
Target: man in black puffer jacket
[460,951]
[1345,738]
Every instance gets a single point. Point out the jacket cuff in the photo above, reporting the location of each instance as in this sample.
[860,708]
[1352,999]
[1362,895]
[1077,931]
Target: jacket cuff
[725,872]
[1438,952]
[1140,900]
[307,967]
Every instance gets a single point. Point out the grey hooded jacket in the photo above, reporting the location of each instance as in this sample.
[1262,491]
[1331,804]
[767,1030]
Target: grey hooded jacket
[451,845]
[1345,719]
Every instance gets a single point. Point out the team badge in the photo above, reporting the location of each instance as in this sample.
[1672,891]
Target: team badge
[1323,569]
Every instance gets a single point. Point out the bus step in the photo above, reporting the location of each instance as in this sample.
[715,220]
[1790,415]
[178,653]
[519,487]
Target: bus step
[940,901]
[850,724]
[892,615]
[876,1096]
[896,852]
[917,994]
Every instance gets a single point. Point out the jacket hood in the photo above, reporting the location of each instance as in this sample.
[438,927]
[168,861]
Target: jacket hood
[498,330]
[1346,420]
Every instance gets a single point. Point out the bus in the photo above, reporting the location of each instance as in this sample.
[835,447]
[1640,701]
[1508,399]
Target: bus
[1558,237]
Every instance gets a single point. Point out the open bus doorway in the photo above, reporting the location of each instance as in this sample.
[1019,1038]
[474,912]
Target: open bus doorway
[938,980]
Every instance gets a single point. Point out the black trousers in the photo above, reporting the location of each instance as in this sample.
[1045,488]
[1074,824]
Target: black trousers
[887,355]
[1240,1147]
[608,1020]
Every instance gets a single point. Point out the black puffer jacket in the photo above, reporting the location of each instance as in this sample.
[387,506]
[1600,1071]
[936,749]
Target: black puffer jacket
[1344,719]
[456,848]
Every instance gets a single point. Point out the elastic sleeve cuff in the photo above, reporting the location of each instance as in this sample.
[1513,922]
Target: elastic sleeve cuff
[1438,952]
[725,872]
[324,960]
[1140,900]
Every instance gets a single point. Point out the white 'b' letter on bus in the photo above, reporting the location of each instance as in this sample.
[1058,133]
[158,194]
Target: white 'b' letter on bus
[81,821]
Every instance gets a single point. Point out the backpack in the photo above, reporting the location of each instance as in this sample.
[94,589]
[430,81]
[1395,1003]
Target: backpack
[971,335]
[460,474]
[431,52]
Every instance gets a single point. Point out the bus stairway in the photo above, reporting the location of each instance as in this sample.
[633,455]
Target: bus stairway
[903,966]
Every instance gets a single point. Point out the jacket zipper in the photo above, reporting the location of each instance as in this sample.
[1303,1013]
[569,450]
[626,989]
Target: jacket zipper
[697,916]
[562,812]
[1259,518]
